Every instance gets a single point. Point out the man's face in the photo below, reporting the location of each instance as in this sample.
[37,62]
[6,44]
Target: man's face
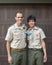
[31,23]
[19,18]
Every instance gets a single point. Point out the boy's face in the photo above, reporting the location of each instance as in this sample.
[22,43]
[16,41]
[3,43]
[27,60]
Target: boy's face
[31,23]
[19,18]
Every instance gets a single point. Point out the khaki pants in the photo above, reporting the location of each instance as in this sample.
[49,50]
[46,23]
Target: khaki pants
[35,57]
[18,57]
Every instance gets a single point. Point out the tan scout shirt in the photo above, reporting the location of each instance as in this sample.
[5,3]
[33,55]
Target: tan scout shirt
[17,36]
[34,37]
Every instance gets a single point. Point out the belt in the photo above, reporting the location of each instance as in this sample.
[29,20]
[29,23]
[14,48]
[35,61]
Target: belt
[35,49]
[17,49]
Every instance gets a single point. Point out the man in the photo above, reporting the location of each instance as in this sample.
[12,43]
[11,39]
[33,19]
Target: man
[37,49]
[16,41]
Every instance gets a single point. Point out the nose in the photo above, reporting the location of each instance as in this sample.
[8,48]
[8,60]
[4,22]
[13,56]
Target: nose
[20,18]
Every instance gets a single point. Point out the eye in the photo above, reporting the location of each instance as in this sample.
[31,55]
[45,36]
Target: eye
[19,17]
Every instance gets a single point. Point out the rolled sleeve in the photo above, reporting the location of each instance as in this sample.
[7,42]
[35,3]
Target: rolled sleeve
[9,35]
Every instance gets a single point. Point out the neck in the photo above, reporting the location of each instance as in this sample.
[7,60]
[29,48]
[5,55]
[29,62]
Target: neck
[32,27]
[19,24]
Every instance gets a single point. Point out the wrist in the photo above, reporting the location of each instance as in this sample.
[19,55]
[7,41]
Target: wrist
[45,54]
[9,55]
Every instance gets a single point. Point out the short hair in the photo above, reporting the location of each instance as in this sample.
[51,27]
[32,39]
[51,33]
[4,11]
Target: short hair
[31,17]
[20,13]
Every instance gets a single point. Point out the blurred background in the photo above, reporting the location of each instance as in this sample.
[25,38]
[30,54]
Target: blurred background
[43,14]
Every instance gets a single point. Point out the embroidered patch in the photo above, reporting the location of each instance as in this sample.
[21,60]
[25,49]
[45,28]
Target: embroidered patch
[37,35]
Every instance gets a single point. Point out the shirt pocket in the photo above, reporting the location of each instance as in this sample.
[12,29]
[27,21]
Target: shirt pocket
[16,35]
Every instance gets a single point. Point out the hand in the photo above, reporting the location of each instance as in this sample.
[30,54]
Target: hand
[45,58]
[10,59]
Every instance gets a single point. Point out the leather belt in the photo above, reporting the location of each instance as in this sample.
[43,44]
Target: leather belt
[17,49]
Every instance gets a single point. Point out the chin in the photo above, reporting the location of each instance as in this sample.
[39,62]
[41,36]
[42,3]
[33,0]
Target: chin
[31,26]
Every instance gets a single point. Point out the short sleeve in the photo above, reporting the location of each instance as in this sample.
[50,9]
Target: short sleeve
[9,35]
[42,34]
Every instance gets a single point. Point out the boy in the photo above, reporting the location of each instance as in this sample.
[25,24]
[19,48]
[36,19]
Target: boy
[36,43]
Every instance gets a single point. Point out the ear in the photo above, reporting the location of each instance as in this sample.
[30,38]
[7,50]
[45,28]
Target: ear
[23,18]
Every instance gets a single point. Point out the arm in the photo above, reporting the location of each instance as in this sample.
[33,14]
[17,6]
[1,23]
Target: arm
[44,50]
[8,52]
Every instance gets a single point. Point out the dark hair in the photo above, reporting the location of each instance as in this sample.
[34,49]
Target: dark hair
[31,17]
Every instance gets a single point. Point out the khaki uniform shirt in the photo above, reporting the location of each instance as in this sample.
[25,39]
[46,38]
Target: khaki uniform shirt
[17,36]
[35,36]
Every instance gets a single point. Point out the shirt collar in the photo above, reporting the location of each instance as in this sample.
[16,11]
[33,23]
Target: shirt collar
[35,28]
[16,26]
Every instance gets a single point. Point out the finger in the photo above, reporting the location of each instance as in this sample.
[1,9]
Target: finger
[10,61]
[45,59]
